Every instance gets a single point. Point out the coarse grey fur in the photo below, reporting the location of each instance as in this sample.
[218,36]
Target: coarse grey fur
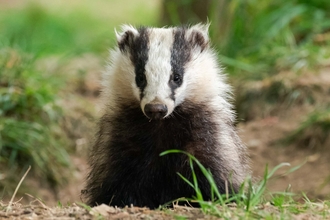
[174,68]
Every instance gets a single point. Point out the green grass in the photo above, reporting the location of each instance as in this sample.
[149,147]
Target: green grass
[30,132]
[260,39]
[252,201]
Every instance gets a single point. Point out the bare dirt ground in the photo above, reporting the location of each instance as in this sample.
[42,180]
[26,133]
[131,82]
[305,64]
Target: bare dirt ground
[263,137]
[74,211]
[41,211]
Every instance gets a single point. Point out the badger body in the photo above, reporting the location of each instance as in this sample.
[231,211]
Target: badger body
[162,90]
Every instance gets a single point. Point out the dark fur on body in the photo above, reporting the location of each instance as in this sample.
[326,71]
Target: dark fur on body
[132,171]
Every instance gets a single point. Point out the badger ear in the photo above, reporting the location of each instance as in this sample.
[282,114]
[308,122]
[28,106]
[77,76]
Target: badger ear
[198,36]
[126,36]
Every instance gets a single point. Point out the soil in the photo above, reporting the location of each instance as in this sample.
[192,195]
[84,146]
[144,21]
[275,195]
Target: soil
[262,135]
[74,211]
[264,138]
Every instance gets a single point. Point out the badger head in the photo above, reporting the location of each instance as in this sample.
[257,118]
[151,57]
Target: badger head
[160,64]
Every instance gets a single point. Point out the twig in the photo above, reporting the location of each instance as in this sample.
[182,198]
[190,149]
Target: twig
[17,187]
[38,200]
[227,191]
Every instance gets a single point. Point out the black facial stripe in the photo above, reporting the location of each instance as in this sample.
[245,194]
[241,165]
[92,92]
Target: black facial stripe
[180,55]
[139,57]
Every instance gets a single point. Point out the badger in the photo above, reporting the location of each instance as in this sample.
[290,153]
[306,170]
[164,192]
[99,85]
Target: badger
[163,89]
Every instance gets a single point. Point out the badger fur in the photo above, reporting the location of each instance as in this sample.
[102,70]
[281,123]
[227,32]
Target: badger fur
[163,90]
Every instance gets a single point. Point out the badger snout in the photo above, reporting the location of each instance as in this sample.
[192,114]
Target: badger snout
[155,111]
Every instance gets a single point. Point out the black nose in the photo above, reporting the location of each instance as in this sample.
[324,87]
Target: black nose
[155,111]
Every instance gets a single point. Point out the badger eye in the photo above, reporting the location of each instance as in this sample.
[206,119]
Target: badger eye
[177,78]
[140,78]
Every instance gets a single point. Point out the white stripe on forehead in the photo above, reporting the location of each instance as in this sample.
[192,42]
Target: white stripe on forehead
[158,67]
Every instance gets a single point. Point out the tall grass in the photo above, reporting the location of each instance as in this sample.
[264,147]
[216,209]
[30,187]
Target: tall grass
[30,132]
[271,36]
[251,196]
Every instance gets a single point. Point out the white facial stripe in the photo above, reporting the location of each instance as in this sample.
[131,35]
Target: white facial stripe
[158,68]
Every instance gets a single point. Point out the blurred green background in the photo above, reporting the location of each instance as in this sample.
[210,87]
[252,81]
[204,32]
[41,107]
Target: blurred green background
[276,53]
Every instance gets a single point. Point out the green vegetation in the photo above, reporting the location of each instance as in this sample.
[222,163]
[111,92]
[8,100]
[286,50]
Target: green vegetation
[269,37]
[30,132]
[252,201]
